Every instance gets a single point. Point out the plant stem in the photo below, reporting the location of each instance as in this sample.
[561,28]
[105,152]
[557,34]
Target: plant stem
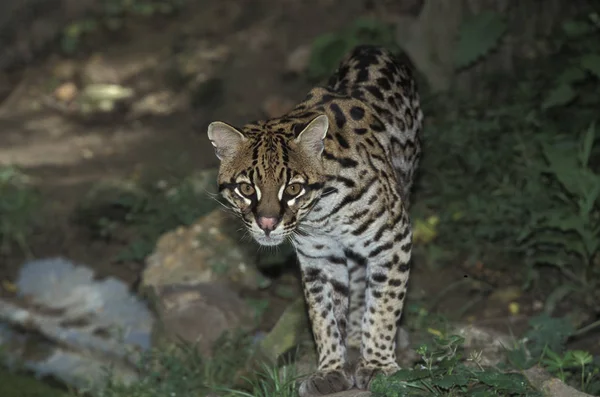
[586,329]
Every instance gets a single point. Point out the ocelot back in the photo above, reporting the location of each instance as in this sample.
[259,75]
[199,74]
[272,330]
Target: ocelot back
[333,176]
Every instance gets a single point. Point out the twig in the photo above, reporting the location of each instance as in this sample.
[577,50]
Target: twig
[586,329]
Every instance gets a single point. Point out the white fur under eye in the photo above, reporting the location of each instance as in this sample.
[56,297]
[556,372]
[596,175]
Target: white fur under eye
[246,200]
[258,193]
[293,201]
[281,190]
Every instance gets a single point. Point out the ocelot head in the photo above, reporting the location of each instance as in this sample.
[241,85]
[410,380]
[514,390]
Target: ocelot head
[270,175]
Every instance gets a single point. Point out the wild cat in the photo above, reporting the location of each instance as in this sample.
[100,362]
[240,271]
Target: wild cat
[334,175]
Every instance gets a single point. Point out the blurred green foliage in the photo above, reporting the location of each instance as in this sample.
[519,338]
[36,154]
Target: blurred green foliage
[19,203]
[478,36]
[112,17]
[514,179]
[148,212]
[329,49]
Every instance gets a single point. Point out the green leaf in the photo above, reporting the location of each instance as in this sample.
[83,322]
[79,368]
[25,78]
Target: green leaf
[560,95]
[571,75]
[591,62]
[574,28]
[513,382]
[587,144]
[449,381]
[478,36]
[327,51]
[407,375]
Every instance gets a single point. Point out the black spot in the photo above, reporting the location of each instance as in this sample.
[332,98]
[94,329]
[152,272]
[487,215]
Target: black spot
[384,83]
[340,118]
[404,267]
[340,288]
[342,141]
[336,260]
[360,131]
[375,91]
[379,278]
[357,113]
[312,274]
[317,289]
[362,75]
[380,249]
[377,126]
[406,247]
[395,282]
[345,162]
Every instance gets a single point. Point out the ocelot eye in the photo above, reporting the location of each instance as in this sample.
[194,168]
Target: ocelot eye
[293,190]
[246,189]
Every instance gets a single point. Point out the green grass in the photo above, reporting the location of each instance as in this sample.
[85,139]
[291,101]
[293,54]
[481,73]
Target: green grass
[18,385]
[179,370]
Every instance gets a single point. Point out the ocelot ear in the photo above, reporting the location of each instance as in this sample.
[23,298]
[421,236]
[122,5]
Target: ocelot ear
[311,137]
[225,138]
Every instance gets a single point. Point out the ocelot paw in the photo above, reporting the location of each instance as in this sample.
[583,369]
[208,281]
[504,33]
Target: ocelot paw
[326,382]
[365,373]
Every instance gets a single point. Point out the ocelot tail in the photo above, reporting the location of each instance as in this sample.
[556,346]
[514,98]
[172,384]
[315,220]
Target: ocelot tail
[333,176]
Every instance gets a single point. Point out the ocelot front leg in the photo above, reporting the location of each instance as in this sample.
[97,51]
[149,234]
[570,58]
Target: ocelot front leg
[325,283]
[388,257]
[357,272]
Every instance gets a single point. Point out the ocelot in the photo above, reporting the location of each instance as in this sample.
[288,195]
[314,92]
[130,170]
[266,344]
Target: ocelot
[333,176]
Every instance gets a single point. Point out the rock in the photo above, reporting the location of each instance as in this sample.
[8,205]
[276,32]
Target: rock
[207,251]
[276,106]
[98,71]
[66,323]
[66,92]
[291,328]
[156,104]
[490,343]
[549,385]
[199,314]
[297,61]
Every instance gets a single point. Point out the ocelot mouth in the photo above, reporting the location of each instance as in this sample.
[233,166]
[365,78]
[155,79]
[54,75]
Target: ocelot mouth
[269,240]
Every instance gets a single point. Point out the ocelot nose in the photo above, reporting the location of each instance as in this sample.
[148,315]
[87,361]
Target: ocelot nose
[267,224]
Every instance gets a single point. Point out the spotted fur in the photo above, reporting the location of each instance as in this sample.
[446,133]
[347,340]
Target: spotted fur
[333,176]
